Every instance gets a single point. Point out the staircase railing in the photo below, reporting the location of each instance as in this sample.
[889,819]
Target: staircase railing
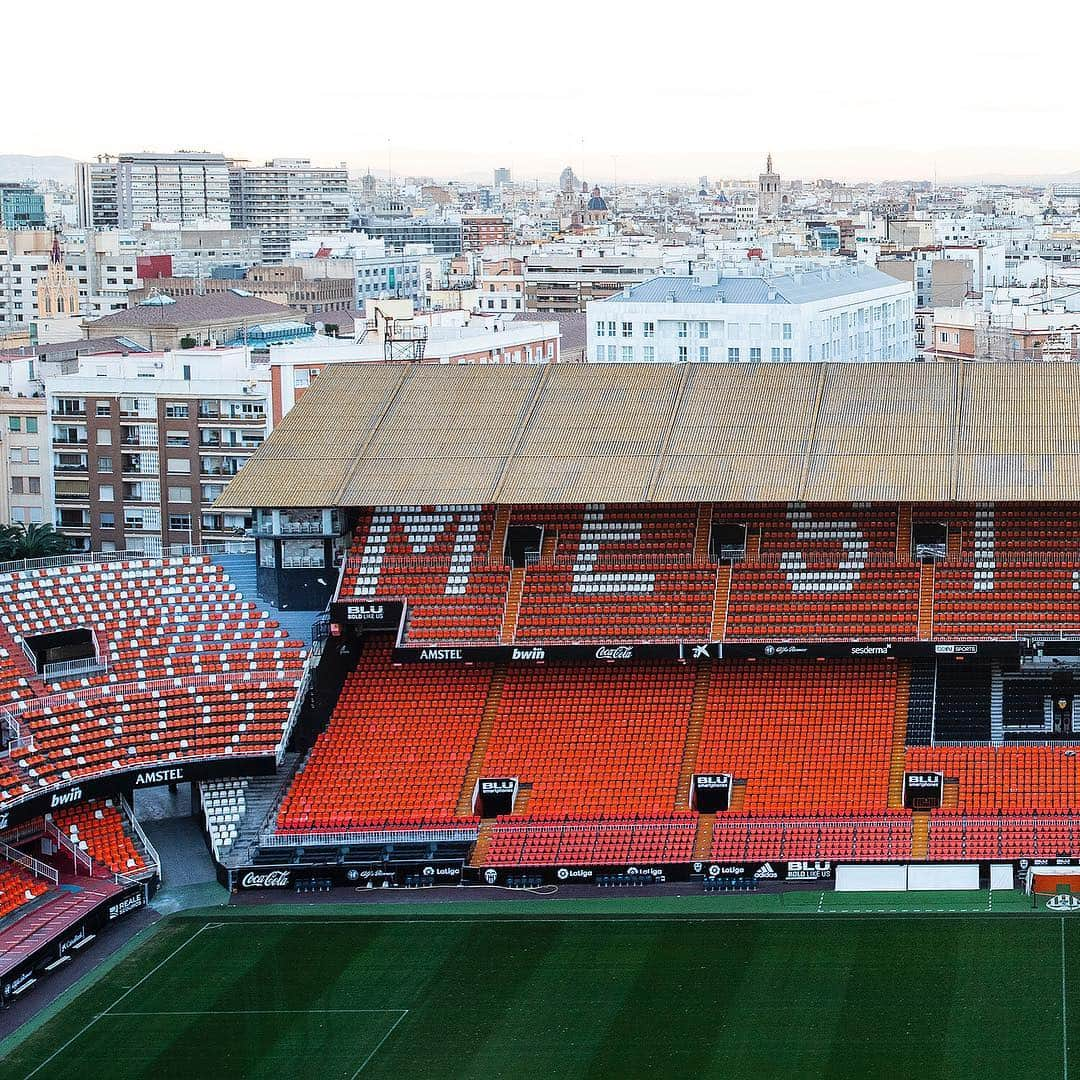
[28,862]
[78,856]
[149,848]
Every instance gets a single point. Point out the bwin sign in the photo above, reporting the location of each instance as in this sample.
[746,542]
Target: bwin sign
[66,798]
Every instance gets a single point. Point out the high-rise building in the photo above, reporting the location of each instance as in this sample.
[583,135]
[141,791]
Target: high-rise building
[502,176]
[184,188]
[21,207]
[286,200]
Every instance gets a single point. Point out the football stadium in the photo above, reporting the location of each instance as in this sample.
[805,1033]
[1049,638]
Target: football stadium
[640,719]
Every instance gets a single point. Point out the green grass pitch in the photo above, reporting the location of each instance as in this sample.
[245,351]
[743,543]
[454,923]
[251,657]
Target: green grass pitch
[575,991]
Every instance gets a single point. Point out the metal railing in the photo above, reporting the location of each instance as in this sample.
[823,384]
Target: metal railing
[78,856]
[374,836]
[127,810]
[70,669]
[28,862]
[239,546]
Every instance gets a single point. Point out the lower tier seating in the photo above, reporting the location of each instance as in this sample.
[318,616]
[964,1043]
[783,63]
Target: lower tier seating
[395,751]
[593,741]
[549,843]
[18,887]
[992,779]
[746,838]
[954,835]
[99,829]
[808,738]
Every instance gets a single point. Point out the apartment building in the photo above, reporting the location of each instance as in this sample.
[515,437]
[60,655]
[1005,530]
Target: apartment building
[25,488]
[287,199]
[570,281]
[849,313]
[185,188]
[21,207]
[501,285]
[479,231]
[142,445]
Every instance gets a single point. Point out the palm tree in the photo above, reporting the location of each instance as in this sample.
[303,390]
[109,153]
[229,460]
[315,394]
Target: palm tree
[19,542]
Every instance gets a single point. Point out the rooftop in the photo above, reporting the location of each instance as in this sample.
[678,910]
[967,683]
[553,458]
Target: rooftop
[370,435]
[194,311]
[798,287]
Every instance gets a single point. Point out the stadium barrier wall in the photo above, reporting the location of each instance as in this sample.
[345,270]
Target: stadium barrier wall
[706,650]
[933,877]
[69,941]
[872,878]
[128,780]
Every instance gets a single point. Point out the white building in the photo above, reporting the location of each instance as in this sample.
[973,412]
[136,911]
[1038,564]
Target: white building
[183,187]
[849,313]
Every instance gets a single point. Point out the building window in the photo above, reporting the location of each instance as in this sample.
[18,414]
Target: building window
[14,423]
[702,329]
[266,554]
[302,553]
[683,354]
[787,331]
[176,410]
[105,492]
[107,519]
[682,329]
[703,354]
[627,329]
[180,494]
[611,354]
[733,354]
[649,354]
[628,354]
[104,437]
[104,464]
[648,329]
[775,353]
[16,485]
[31,425]
[611,329]
[16,454]
[178,465]
[755,355]
[104,408]
[179,522]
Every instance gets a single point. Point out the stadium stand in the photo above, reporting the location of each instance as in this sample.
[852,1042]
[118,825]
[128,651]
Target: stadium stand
[396,749]
[98,828]
[18,887]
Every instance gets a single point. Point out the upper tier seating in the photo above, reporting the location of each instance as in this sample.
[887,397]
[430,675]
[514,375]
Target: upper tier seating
[439,559]
[18,887]
[395,751]
[640,572]
[98,828]
[194,670]
[593,741]
[808,738]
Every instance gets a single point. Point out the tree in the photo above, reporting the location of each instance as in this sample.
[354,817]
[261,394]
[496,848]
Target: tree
[188,342]
[19,542]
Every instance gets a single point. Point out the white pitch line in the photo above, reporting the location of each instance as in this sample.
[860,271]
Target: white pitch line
[378,1045]
[86,1027]
[249,1012]
[1064,1021]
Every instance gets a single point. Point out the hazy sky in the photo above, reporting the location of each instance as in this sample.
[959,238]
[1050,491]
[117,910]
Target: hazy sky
[844,88]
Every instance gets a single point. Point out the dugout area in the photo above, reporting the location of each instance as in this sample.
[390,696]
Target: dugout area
[809,985]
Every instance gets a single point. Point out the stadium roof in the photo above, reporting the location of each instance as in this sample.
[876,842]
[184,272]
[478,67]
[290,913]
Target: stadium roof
[378,434]
[796,288]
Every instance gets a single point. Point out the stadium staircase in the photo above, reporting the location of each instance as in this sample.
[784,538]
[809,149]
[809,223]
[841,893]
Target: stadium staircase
[513,605]
[262,797]
[498,534]
[702,534]
[920,834]
[483,842]
[738,795]
[926,601]
[997,706]
[244,575]
[702,678]
[903,533]
[547,548]
[703,836]
[521,803]
[950,793]
[721,597]
[476,758]
[899,743]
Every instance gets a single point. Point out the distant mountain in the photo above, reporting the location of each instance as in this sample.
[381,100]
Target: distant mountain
[28,167]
